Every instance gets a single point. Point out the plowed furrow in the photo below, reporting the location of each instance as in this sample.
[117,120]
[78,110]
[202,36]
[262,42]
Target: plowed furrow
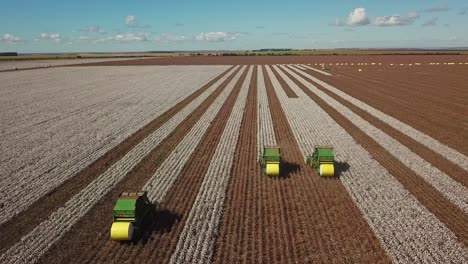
[452,216]
[24,222]
[92,231]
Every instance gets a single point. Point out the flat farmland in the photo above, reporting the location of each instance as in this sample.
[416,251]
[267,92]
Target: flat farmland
[74,137]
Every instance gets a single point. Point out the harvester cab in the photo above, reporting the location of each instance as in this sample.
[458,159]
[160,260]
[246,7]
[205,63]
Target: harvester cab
[131,212]
[270,160]
[323,161]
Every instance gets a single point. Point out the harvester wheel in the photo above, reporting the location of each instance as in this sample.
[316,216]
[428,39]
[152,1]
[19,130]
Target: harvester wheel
[122,231]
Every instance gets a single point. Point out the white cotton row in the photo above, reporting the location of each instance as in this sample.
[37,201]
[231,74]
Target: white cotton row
[265,130]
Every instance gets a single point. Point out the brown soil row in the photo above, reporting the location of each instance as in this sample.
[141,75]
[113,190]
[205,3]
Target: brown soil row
[426,194]
[91,234]
[435,159]
[262,60]
[23,223]
[424,102]
[297,217]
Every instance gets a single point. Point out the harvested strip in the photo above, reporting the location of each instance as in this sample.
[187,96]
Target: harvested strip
[322,72]
[265,131]
[442,149]
[289,92]
[33,245]
[408,231]
[197,239]
[321,218]
[450,189]
[259,223]
[23,223]
[440,162]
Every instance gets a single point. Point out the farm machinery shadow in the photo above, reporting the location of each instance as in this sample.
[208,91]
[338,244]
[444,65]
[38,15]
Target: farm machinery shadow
[340,167]
[287,169]
[159,221]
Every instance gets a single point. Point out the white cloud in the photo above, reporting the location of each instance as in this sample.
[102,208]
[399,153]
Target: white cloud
[437,9]
[125,38]
[130,20]
[431,22]
[396,20]
[217,36]
[53,36]
[358,17]
[8,38]
[95,29]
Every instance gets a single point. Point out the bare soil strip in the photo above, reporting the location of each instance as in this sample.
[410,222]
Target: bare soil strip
[407,230]
[93,226]
[399,105]
[197,239]
[169,219]
[24,222]
[289,92]
[439,161]
[303,218]
[452,216]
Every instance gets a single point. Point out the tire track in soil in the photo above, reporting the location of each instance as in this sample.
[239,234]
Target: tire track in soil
[449,214]
[179,200]
[303,218]
[440,162]
[360,90]
[23,223]
[92,231]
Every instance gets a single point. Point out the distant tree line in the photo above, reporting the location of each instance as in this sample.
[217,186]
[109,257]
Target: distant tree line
[8,53]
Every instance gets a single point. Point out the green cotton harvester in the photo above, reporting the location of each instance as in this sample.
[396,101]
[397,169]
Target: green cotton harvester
[323,161]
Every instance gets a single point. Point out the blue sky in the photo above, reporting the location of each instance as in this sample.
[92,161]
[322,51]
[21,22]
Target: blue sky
[142,25]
